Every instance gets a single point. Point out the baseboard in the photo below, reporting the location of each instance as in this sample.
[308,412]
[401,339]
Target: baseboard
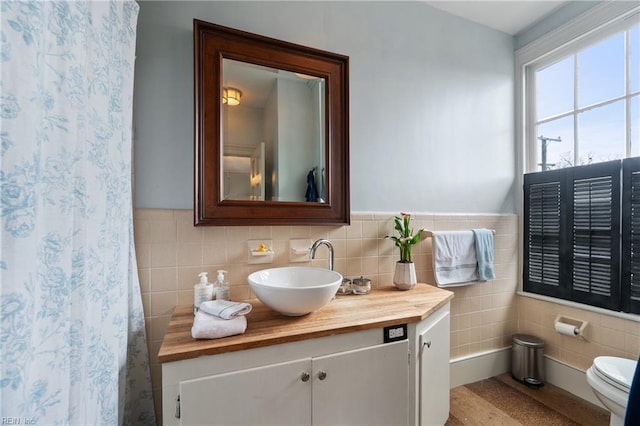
[479,366]
[570,379]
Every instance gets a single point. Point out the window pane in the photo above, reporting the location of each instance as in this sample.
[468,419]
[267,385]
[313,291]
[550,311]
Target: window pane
[601,134]
[559,154]
[635,126]
[554,89]
[601,71]
[634,58]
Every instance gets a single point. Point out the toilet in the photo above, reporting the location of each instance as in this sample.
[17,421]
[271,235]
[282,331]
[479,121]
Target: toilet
[610,379]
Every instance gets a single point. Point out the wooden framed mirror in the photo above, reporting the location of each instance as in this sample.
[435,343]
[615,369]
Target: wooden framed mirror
[271,131]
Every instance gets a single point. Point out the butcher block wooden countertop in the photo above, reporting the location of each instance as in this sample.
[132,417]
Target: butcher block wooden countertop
[382,307]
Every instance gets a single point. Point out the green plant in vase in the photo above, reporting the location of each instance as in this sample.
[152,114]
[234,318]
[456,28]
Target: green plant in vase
[406,239]
[404,277]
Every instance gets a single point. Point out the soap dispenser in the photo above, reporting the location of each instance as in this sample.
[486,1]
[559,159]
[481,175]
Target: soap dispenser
[222,286]
[202,292]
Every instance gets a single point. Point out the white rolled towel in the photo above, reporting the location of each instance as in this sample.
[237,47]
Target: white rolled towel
[207,326]
[225,308]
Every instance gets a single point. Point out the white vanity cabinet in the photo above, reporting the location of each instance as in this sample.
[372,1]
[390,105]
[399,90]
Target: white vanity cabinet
[433,368]
[273,394]
[363,386]
[345,371]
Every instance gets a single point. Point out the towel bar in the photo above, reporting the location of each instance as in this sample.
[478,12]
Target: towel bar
[429,234]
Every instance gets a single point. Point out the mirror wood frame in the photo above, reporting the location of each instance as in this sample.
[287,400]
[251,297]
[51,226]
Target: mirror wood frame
[213,43]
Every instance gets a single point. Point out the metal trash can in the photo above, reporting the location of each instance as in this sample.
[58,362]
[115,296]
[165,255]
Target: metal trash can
[527,363]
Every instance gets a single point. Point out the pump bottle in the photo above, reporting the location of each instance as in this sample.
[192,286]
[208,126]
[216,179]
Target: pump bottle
[202,292]
[222,286]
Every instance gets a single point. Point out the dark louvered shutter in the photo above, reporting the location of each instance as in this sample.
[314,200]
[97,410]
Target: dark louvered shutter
[594,219]
[545,245]
[631,236]
[582,234]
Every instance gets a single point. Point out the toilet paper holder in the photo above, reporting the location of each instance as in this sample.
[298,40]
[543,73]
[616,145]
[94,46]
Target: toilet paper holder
[570,326]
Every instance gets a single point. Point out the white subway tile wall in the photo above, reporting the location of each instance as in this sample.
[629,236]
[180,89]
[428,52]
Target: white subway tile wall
[171,252]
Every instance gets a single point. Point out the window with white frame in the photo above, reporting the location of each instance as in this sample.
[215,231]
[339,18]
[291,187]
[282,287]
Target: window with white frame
[579,103]
[585,107]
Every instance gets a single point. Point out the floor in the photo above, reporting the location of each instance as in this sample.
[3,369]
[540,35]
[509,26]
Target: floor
[502,400]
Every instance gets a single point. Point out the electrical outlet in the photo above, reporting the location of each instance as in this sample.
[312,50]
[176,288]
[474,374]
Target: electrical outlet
[394,333]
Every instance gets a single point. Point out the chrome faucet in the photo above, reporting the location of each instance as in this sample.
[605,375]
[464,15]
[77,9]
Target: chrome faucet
[318,243]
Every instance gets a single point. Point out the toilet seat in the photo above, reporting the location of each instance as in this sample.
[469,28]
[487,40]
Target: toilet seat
[617,372]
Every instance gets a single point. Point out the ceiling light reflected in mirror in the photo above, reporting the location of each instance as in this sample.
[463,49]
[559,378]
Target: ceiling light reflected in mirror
[231,96]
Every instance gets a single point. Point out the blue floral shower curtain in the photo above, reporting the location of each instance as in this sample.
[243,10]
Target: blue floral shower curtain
[72,336]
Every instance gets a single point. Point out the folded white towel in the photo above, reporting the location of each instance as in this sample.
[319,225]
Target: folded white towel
[454,258]
[207,326]
[225,308]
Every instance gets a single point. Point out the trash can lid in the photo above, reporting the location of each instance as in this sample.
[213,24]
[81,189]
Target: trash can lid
[528,340]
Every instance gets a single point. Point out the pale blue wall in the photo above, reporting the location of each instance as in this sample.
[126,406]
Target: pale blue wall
[431,100]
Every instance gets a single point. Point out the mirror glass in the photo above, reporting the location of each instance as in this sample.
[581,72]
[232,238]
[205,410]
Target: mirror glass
[272,134]
[271,131]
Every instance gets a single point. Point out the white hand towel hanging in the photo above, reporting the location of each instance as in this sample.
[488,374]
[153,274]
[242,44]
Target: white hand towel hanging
[454,258]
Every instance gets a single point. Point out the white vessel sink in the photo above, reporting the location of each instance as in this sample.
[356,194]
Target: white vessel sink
[295,290]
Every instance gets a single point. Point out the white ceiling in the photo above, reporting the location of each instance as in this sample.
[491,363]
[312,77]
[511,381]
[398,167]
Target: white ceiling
[507,16]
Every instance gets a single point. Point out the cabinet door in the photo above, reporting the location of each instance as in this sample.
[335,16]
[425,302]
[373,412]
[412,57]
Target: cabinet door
[362,387]
[434,373]
[271,395]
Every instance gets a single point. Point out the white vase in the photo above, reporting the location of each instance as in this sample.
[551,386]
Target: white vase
[405,276]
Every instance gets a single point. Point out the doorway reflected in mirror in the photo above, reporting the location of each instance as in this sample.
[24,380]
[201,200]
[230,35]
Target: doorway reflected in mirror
[285,112]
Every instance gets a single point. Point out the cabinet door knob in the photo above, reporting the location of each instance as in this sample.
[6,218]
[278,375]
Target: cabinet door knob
[322,375]
[305,376]
[427,344]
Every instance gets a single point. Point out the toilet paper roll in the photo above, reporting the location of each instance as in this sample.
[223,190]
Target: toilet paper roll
[567,329]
